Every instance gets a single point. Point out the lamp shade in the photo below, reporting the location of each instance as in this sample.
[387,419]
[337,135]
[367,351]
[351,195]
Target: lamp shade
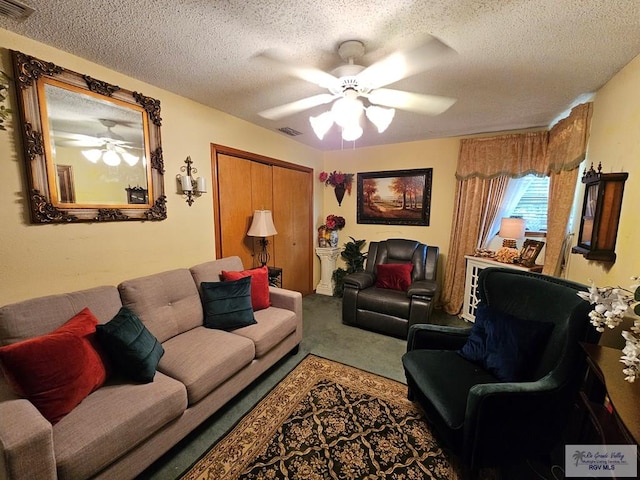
[512,228]
[262,225]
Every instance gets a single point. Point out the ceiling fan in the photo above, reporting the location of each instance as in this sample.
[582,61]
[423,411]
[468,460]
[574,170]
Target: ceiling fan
[107,145]
[350,82]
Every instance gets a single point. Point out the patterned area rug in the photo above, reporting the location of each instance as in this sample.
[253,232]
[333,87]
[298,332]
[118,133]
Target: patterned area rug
[326,420]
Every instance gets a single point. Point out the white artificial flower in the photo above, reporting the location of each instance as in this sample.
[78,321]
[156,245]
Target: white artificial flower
[631,357]
[611,305]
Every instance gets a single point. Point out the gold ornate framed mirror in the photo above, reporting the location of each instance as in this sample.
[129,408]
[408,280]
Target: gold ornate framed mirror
[88,145]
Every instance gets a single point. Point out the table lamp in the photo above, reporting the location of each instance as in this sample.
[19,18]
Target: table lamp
[262,226]
[511,229]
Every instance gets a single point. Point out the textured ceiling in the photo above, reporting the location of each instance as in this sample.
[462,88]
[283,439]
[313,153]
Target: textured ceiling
[519,63]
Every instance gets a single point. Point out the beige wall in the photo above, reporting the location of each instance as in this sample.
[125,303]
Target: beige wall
[615,141]
[440,154]
[45,259]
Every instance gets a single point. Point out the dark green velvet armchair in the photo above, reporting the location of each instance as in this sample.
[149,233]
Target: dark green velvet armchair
[486,419]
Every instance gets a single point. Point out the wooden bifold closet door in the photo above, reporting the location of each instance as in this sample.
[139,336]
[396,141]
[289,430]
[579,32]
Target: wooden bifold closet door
[245,182]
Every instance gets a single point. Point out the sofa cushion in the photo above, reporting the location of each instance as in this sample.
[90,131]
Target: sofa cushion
[227,305]
[58,370]
[38,316]
[433,371]
[113,420]
[259,285]
[273,325]
[384,301]
[168,303]
[211,271]
[396,276]
[131,348]
[204,358]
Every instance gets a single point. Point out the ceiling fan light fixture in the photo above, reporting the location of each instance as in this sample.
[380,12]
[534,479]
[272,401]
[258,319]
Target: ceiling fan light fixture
[347,111]
[381,117]
[351,133]
[321,124]
[111,158]
[129,159]
[92,155]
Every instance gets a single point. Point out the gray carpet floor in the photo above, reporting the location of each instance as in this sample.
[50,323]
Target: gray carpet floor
[323,335]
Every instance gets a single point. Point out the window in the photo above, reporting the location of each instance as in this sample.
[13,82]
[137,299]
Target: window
[532,205]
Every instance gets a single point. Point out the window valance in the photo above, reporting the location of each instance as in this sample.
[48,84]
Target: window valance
[516,155]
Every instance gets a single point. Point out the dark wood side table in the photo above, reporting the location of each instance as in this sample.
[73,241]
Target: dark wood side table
[275,276]
[612,404]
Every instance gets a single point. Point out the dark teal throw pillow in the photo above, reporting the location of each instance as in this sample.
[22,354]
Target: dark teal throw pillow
[506,346]
[130,346]
[227,305]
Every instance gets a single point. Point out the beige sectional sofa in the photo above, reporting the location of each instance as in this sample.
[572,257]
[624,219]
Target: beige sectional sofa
[123,427]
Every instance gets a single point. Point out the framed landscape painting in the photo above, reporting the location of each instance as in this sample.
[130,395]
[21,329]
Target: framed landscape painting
[396,197]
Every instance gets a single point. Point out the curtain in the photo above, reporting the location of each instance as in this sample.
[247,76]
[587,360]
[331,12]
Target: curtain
[472,198]
[567,149]
[496,197]
[562,187]
[513,155]
[557,153]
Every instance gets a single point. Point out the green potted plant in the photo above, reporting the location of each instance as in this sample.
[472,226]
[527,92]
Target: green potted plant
[354,258]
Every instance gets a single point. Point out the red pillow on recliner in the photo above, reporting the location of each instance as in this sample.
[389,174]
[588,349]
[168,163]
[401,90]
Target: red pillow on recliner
[394,276]
[259,285]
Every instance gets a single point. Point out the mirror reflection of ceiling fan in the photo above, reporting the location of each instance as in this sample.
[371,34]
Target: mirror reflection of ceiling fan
[351,83]
[107,146]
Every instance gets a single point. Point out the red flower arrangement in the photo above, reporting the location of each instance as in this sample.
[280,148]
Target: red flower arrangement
[335,179]
[334,222]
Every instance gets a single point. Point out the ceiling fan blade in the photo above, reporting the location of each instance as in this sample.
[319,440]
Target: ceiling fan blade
[404,63]
[310,74]
[287,109]
[414,102]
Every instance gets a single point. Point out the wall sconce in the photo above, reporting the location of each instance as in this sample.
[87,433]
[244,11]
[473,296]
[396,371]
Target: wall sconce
[262,226]
[189,186]
[510,230]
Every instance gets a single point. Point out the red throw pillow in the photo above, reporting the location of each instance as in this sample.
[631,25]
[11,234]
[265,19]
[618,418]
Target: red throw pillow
[259,285]
[395,276]
[58,370]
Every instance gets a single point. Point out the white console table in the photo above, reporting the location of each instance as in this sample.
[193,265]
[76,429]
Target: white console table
[474,266]
[328,257]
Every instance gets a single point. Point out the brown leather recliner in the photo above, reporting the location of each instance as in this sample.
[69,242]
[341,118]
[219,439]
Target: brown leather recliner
[392,311]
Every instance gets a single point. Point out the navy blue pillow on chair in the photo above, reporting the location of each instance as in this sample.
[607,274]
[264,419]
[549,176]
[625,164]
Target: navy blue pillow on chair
[130,346]
[474,349]
[227,305]
[511,346]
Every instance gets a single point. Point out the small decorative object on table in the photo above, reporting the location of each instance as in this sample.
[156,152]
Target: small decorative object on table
[611,305]
[322,236]
[484,253]
[341,183]
[507,255]
[329,231]
[530,251]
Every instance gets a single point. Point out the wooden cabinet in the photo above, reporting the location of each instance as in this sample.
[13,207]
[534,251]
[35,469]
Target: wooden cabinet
[292,211]
[600,214]
[609,403]
[474,266]
[245,182]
